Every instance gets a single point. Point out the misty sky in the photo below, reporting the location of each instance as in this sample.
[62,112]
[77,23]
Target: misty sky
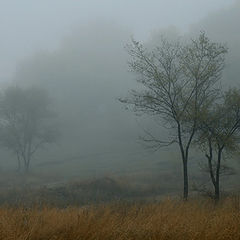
[28,26]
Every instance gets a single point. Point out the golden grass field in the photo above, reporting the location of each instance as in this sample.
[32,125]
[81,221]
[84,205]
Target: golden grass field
[170,219]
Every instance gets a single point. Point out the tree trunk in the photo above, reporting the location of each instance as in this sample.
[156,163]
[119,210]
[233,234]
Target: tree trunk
[185,171]
[184,155]
[217,185]
[25,162]
[209,156]
[185,179]
[28,157]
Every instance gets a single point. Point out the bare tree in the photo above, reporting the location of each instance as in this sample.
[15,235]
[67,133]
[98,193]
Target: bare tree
[24,115]
[177,83]
[219,131]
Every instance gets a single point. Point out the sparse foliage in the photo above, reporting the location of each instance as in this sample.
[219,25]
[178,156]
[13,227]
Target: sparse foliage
[219,132]
[178,83]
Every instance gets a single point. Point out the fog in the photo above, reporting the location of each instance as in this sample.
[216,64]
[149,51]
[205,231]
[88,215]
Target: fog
[76,50]
[29,26]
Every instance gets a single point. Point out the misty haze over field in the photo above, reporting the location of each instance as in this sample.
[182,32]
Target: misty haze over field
[31,26]
[76,50]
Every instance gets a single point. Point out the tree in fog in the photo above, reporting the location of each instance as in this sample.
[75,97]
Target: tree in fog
[177,84]
[25,125]
[218,133]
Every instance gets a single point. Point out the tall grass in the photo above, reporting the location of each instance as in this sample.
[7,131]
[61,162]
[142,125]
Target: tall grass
[170,219]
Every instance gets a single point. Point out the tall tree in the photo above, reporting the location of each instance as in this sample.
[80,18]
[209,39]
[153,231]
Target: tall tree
[219,132]
[177,82]
[25,126]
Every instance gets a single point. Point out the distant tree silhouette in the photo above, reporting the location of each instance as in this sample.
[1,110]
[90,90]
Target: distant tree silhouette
[25,125]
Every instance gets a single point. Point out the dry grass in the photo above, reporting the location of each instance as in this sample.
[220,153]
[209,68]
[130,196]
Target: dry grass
[170,219]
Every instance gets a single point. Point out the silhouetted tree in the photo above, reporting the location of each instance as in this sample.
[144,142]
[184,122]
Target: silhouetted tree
[178,82]
[25,125]
[219,131]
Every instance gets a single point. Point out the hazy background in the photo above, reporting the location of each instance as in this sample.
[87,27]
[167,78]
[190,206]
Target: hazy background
[28,26]
[75,49]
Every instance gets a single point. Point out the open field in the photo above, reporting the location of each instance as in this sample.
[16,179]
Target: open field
[170,219]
